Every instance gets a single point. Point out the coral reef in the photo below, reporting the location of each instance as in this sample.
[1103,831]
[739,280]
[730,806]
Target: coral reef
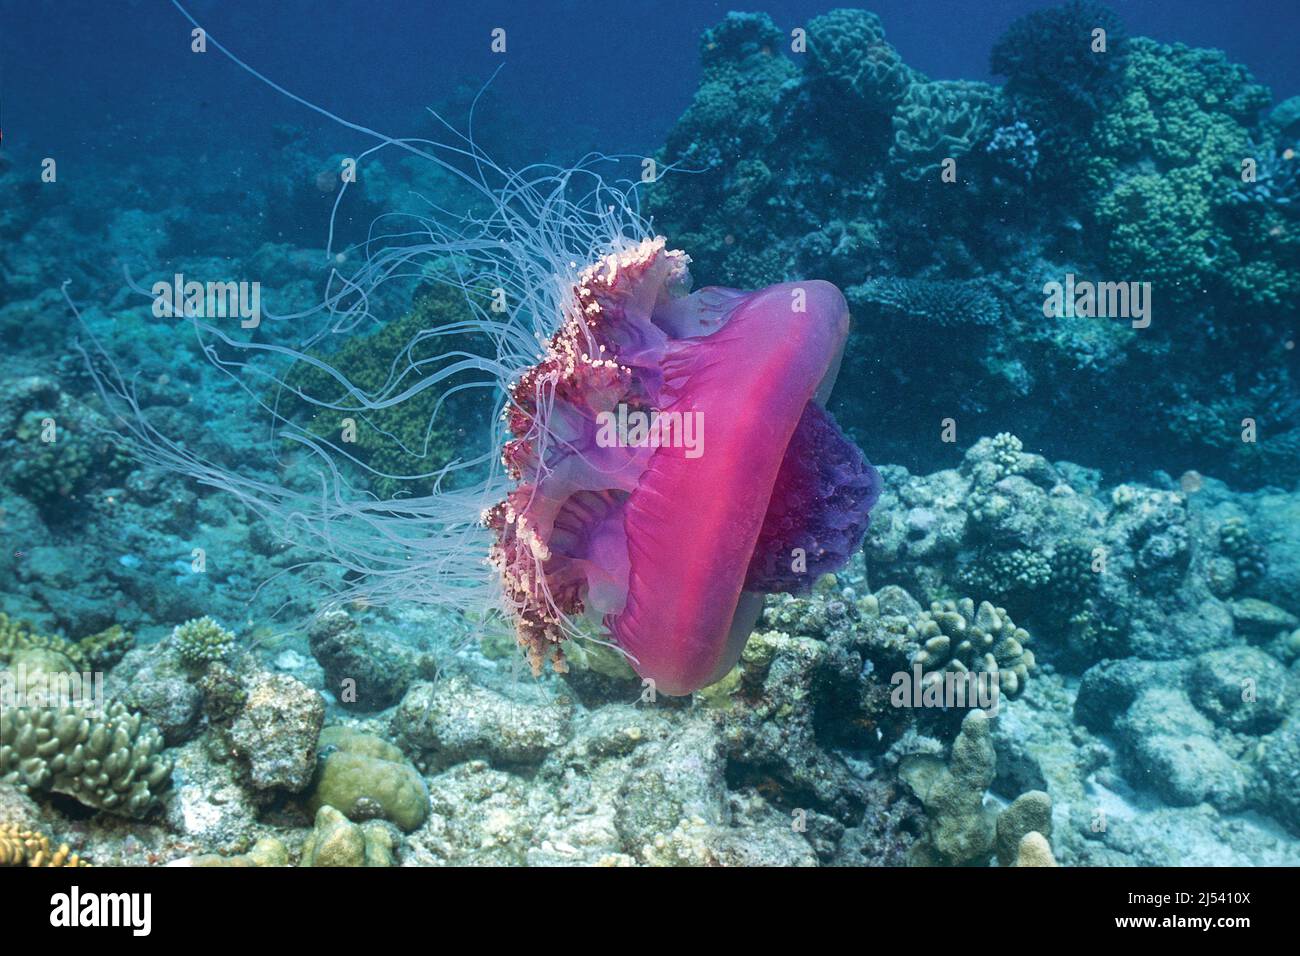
[1116,510]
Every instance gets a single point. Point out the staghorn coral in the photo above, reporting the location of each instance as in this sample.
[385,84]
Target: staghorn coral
[23,847]
[111,761]
[202,641]
[939,120]
[958,636]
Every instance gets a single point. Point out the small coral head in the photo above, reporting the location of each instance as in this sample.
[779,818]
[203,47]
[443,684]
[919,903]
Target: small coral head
[674,462]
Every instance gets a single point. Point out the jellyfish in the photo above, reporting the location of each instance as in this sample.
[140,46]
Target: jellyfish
[661,539]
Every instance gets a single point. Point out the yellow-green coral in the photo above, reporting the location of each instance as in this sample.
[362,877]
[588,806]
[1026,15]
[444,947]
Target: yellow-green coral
[23,847]
[111,761]
[96,652]
[960,829]
[18,636]
[366,777]
[1167,160]
[337,841]
[958,636]
[202,641]
[404,438]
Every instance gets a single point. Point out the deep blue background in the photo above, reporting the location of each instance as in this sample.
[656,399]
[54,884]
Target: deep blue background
[94,77]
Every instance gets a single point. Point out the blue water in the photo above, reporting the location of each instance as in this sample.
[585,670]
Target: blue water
[97,77]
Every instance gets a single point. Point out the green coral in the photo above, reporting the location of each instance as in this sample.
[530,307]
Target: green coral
[847,51]
[202,641]
[96,652]
[960,830]
[1013,575]
[939,120]
[957,636]
[1165,162]
[111,761]
[18,636]
[404,439]
[336,841]
[105,649]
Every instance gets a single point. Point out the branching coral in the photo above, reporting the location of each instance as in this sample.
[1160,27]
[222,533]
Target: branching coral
[957,636]
[23,847]
[946,303]
[202,641]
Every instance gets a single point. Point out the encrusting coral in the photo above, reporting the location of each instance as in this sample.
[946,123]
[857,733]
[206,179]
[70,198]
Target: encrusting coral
[96,652]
